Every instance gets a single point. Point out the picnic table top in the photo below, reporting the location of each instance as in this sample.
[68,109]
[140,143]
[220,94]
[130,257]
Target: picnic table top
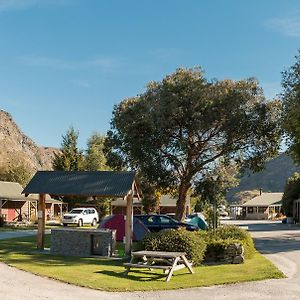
[160,254]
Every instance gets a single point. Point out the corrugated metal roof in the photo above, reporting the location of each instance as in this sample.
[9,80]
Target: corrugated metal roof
[81,183]
[265,199]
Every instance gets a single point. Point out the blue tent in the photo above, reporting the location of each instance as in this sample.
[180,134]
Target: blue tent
[198,220]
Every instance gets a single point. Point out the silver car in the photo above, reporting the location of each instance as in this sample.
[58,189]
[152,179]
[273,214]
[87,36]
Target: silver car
[80,216]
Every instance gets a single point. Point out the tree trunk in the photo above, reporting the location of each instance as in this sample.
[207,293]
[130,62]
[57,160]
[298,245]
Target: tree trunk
[181,202]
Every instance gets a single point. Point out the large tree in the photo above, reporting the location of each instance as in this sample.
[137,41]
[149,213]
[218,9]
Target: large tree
[95,159]
[291,107]
[182,126]
[70,158]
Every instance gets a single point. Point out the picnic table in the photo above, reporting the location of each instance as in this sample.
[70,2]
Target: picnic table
[167,261]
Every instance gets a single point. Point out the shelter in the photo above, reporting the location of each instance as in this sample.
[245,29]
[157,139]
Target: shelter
[262,207]
[117,222]
[106,184]
[16,207]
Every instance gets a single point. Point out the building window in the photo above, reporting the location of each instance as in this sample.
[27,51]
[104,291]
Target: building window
[262,210]
[250,210]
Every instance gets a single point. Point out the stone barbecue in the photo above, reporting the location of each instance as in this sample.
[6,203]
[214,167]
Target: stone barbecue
[83,242]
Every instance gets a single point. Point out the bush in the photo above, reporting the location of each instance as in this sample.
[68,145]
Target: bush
[2,221]
[224,235]
[179,240]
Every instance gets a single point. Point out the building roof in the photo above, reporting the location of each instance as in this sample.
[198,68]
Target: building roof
[165,201]
[82,183]
[121,202]
[265,199]
[12,191]
[169,201]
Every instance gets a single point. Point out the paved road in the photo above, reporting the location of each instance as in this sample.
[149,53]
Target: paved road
[18,233]
[279,242]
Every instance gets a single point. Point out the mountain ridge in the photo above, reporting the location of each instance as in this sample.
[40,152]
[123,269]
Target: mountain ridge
[16,146]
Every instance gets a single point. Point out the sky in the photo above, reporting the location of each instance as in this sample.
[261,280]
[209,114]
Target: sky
[68,62]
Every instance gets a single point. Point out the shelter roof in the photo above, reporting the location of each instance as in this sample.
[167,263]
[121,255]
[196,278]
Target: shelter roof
[82,183]
[265,199]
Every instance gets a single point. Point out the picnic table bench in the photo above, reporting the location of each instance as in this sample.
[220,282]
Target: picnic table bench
[167,261]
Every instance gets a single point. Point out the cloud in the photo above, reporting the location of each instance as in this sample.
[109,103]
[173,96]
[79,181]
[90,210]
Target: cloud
[106,64]
[288,26]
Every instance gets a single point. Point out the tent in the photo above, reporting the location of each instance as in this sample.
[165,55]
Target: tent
[198,220]
[118,222]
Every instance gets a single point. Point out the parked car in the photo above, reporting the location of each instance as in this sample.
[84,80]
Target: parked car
[156,223]
[80,216]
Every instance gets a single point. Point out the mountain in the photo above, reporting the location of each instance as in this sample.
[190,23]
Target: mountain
[272,179]
[16,146]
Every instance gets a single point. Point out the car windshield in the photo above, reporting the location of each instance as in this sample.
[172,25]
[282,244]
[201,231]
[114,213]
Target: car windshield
[76,211]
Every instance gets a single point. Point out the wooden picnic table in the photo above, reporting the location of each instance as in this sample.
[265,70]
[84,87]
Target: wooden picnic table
[167,261]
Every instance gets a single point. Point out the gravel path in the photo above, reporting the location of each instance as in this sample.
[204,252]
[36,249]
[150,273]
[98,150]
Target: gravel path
[278,242]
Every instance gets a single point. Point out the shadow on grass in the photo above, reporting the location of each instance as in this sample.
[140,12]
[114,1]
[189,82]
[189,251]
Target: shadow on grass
[134,275]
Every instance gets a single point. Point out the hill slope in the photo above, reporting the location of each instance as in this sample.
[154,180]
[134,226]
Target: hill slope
[14,144]
[272,179]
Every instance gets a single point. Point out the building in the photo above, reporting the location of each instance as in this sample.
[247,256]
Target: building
[263,207]
[167,205]
[16,207]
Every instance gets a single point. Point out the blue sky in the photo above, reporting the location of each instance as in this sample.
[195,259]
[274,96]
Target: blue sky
[68,62]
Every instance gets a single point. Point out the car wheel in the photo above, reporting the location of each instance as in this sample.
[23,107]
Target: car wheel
[80,223]
[65,224]
[94,222]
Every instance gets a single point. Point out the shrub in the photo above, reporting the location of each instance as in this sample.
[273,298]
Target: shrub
[229,234]
[2,221]
[179,240]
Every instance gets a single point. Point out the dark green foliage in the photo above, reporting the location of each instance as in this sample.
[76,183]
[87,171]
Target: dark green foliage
[291,107]
[2,222]
[184,125]
[70,158]
[177,241]
[95,159]
[291,193]
[224,235]
[215,248]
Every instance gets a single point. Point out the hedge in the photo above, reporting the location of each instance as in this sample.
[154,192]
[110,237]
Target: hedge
[224,235]
[180,240]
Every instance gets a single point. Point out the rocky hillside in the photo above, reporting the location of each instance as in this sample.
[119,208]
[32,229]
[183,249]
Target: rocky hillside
[15,145]
[272,179]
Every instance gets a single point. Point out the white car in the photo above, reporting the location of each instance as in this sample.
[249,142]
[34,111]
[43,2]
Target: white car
[80,216]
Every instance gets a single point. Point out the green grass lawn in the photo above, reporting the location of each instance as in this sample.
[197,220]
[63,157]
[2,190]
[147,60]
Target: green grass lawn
[106,274]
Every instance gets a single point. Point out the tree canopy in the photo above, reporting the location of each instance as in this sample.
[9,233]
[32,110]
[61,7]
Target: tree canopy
[291,107]
[291,193]
[180,127]
[95,159]
[70,158]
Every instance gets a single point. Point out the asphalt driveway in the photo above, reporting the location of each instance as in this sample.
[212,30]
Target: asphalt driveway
[279,242]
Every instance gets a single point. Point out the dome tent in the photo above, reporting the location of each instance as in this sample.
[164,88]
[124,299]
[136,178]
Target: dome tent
[118,222]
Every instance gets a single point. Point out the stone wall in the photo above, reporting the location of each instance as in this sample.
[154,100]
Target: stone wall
[83,242]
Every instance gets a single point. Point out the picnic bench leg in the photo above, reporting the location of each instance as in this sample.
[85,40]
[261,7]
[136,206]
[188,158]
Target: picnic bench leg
[128,268]
[187,264]
[172,269]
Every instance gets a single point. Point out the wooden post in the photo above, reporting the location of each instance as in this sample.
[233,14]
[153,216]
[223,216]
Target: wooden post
[41,222]
[129,224]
